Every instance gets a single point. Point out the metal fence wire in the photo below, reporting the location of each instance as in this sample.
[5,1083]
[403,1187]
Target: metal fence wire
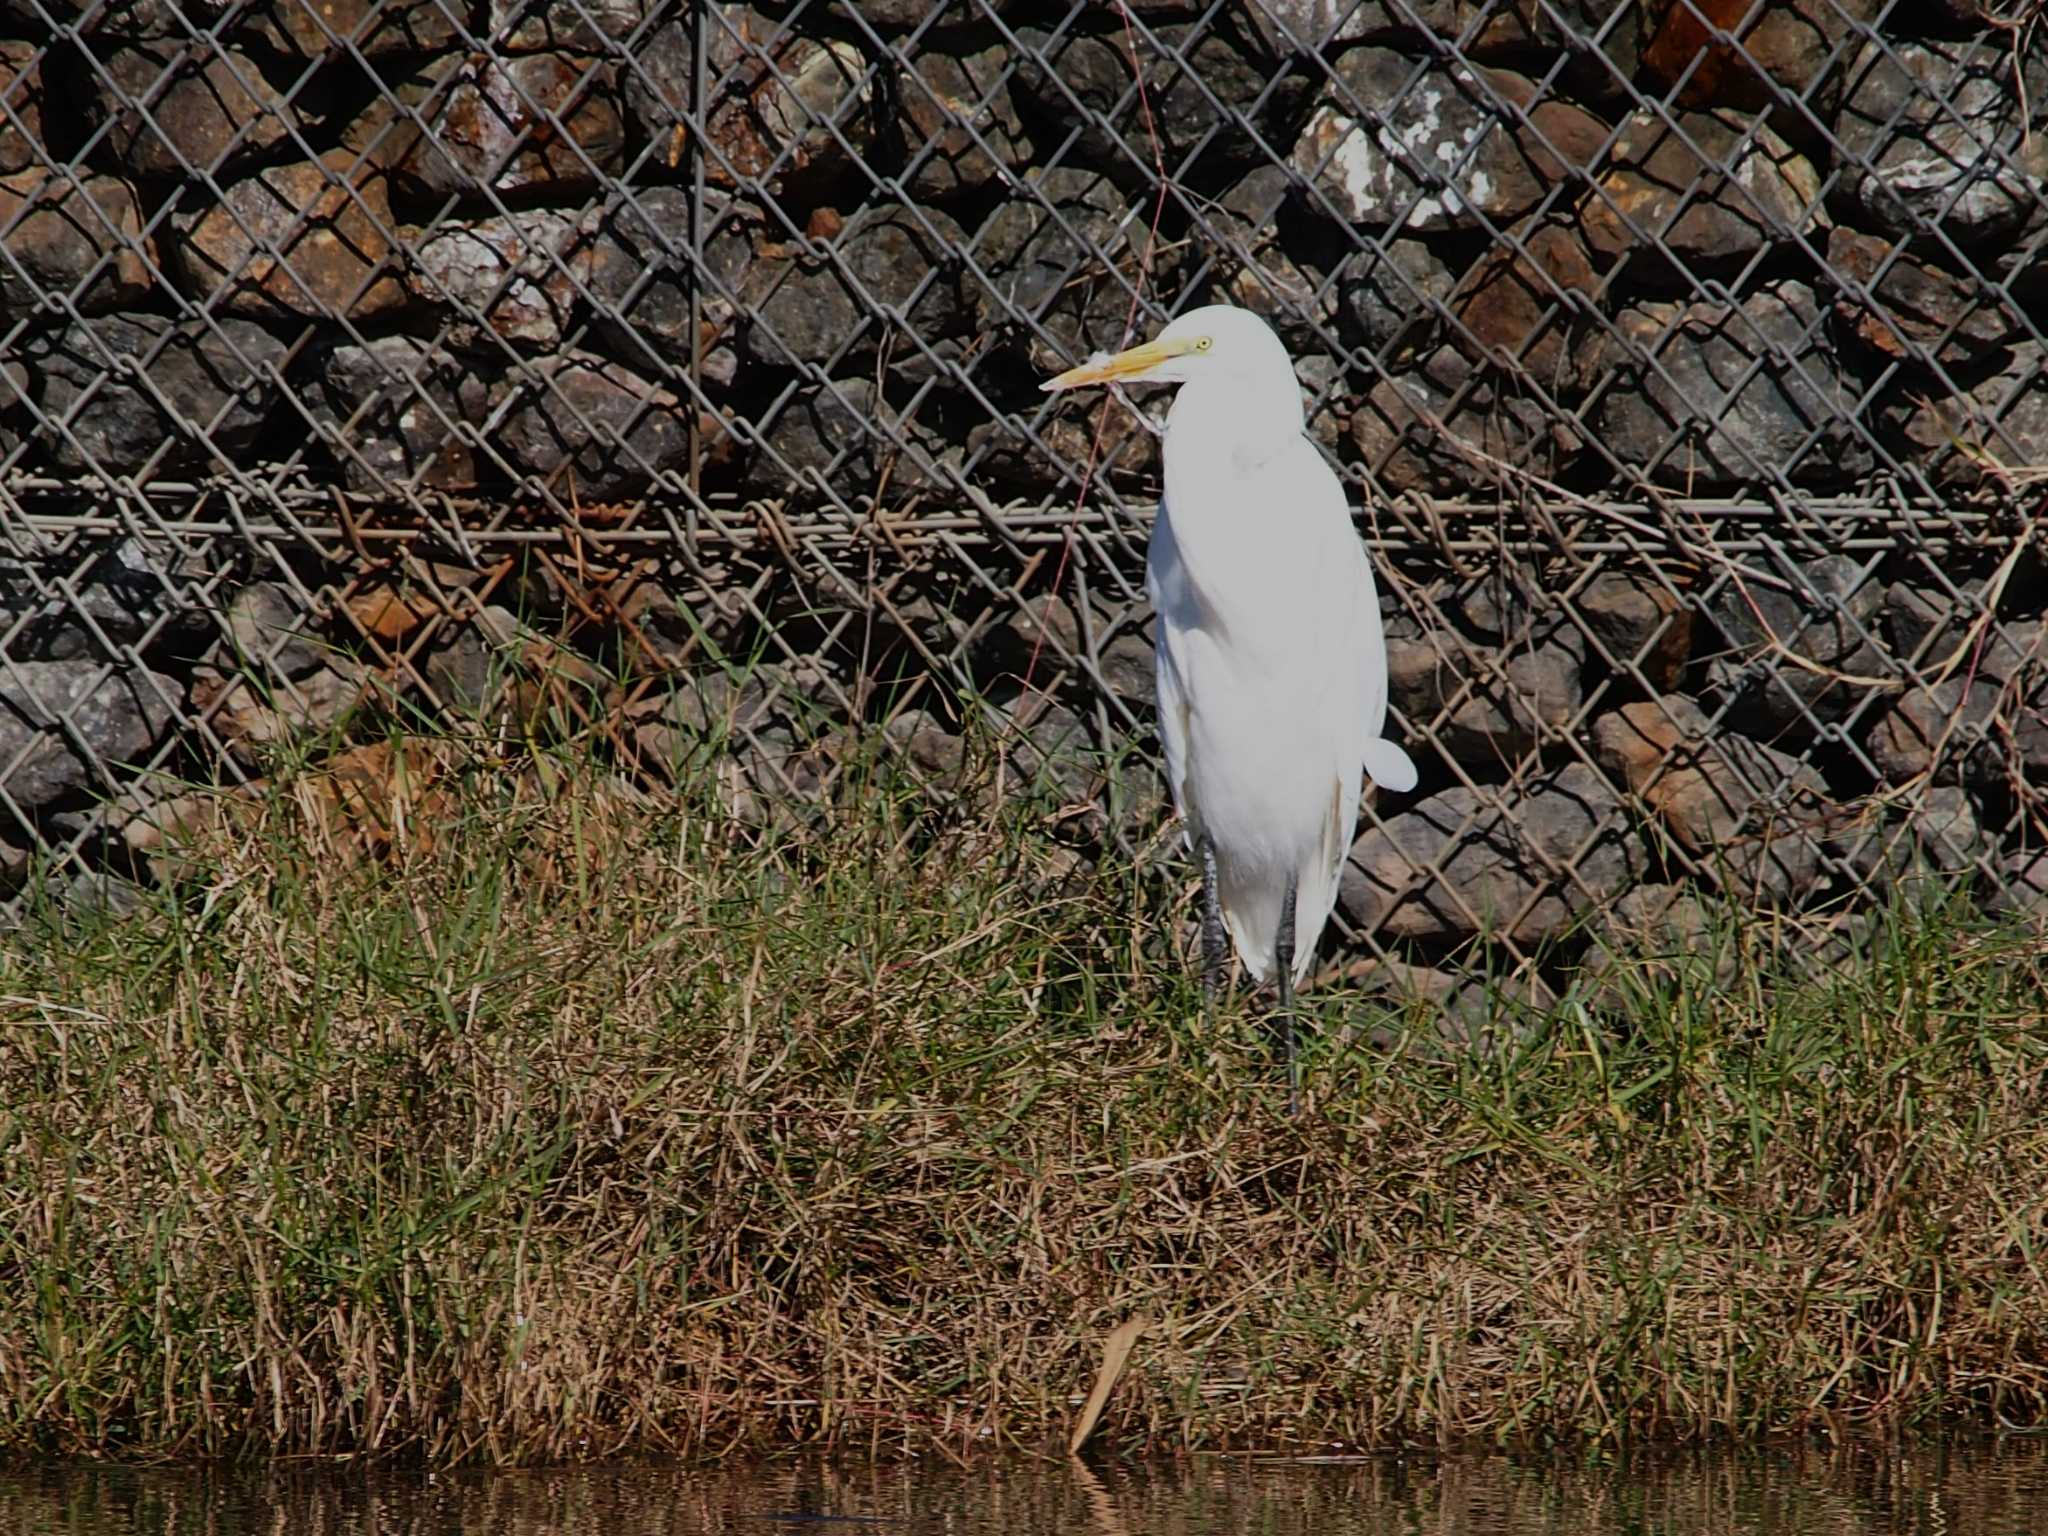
[1685,359]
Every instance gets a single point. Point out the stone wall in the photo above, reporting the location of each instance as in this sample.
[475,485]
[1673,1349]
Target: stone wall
[621,268]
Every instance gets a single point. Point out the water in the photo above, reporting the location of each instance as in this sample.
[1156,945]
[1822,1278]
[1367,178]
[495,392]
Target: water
[1968,1488]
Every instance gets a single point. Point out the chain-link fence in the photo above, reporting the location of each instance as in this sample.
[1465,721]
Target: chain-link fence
[1686,359]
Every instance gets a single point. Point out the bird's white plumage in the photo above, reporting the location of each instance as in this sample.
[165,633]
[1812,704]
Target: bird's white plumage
[1271,658]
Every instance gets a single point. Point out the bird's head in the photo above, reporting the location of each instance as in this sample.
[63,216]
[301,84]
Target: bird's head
[1218,341]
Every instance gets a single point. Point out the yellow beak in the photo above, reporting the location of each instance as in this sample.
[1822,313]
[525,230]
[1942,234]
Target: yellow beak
[1124,367]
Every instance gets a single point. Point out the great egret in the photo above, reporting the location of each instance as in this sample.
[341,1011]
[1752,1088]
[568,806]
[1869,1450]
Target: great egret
[1271,661]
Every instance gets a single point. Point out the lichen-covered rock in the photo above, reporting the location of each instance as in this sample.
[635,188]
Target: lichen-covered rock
[1943,127]
[50,710]
[1444,154]
[1705,190]
[1713,394]
[514,278]
[960,127]
[218,110]
[305,239]
[398,408]
[218,375]
[1902,306]
[1753,817]
[1459,864]
[83,244]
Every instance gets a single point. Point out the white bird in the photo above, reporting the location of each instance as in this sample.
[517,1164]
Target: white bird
[1272,664]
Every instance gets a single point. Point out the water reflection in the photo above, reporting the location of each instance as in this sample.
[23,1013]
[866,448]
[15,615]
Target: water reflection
[1981,1487]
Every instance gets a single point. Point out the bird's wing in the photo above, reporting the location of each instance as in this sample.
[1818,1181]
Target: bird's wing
[1172,609]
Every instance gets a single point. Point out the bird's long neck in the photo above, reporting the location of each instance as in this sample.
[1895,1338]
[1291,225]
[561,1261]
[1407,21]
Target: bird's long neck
[1218,441]
[1256,421]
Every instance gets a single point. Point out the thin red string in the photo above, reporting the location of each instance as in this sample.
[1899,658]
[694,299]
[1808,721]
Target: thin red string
[1109,404]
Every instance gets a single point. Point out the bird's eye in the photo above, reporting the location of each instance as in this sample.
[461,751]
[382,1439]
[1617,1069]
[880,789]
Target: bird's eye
[1204,343]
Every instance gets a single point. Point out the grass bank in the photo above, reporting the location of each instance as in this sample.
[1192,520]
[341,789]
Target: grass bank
[515,1117]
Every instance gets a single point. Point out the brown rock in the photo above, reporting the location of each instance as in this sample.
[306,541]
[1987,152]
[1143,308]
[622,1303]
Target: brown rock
[1517,305]
[1904,307]
[959,122]
[328,228]
[1981,731]
[1483,705]
[789,113]
[1933,847]
[1446,127]
[578,26]
[217,110]
[21,87]
[1752,815]
[1809,652]
[1638,622]
[525,123]
[1448,430]
[84,243]
[1792,45]
[1999,422]
[313,29]
[397,408]
[1713,187]
[1455,865]
[597,430]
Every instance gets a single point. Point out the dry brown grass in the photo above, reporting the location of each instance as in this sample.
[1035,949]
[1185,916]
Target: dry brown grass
[515,1118]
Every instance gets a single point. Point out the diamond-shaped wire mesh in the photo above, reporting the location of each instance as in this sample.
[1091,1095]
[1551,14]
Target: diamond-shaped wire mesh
[672,368]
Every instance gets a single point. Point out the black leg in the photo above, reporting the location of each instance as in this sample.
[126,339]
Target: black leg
[1283,963]
[1214,952]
